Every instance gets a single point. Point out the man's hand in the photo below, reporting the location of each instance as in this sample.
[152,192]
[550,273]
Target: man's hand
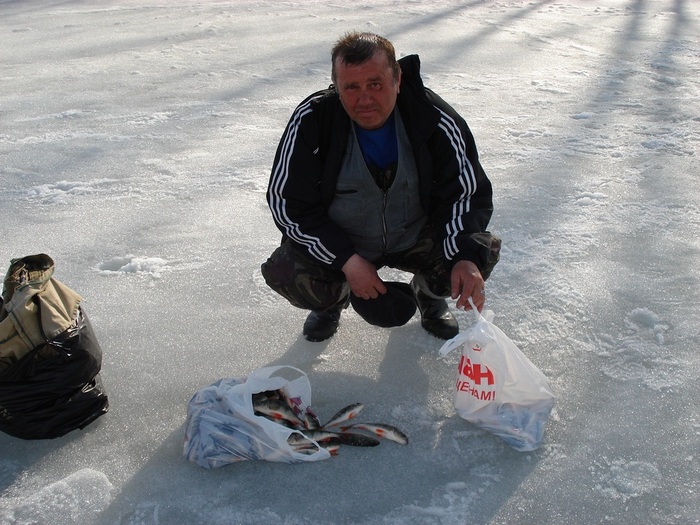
[467,282]
[363,278]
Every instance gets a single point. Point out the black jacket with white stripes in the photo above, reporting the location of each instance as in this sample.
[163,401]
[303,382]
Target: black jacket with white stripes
[454,190]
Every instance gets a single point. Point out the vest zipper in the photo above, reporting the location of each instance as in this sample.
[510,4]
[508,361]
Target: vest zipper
[384,181]
[384,199]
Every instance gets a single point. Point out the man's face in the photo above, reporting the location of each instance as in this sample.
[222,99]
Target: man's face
[367,91]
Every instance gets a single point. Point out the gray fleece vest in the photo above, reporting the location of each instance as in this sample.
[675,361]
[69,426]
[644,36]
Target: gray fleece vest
[378,222]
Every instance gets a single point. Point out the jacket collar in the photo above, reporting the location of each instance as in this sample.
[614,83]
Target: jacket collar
[419,115]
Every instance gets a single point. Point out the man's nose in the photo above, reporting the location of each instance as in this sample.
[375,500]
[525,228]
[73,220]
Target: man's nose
[365,97]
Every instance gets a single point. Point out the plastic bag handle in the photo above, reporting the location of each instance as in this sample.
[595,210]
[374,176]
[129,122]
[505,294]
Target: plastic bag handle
[479,317]
[460,338]
[268,371]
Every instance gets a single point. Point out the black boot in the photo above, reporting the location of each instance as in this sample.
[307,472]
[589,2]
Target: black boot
[322,324]
[435,315]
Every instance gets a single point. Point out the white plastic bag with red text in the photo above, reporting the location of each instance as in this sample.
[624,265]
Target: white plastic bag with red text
[498,388]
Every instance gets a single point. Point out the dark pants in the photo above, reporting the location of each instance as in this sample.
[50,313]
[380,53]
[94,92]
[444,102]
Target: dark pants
[309,284]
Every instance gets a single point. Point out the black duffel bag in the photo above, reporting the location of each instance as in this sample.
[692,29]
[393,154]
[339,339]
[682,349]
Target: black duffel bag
[50,358]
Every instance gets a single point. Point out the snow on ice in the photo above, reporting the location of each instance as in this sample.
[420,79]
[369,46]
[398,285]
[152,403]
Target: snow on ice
[136,139]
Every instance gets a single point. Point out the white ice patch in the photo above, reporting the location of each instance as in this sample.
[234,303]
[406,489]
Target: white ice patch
[549,88]
[628,479]
[132,264]
[64,191]
[145,119]
[633,357]
[67,114]
[528,133]
[78,498]
[588,199]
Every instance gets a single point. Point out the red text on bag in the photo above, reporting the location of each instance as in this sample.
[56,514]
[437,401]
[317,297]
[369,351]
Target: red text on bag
[476,372]
[483,395]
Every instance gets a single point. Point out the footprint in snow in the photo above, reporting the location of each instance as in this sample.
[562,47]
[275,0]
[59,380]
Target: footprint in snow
[638,355]
[589,199]
[644,319]
[621,479]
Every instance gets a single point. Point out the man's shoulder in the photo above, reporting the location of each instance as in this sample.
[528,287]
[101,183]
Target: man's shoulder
[321,113]
[321,99]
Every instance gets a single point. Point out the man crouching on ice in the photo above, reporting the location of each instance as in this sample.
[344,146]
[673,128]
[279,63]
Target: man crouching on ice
[375,171]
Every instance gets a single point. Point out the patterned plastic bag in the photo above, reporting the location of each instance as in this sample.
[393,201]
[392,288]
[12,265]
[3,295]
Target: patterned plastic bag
[222,427]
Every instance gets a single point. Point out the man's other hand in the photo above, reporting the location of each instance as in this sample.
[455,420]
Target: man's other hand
[363,278]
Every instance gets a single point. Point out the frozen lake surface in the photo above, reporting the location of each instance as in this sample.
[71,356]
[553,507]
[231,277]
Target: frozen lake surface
[136,139]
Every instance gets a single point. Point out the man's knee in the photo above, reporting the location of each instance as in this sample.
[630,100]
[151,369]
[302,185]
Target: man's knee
[301,280]
[279,267]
